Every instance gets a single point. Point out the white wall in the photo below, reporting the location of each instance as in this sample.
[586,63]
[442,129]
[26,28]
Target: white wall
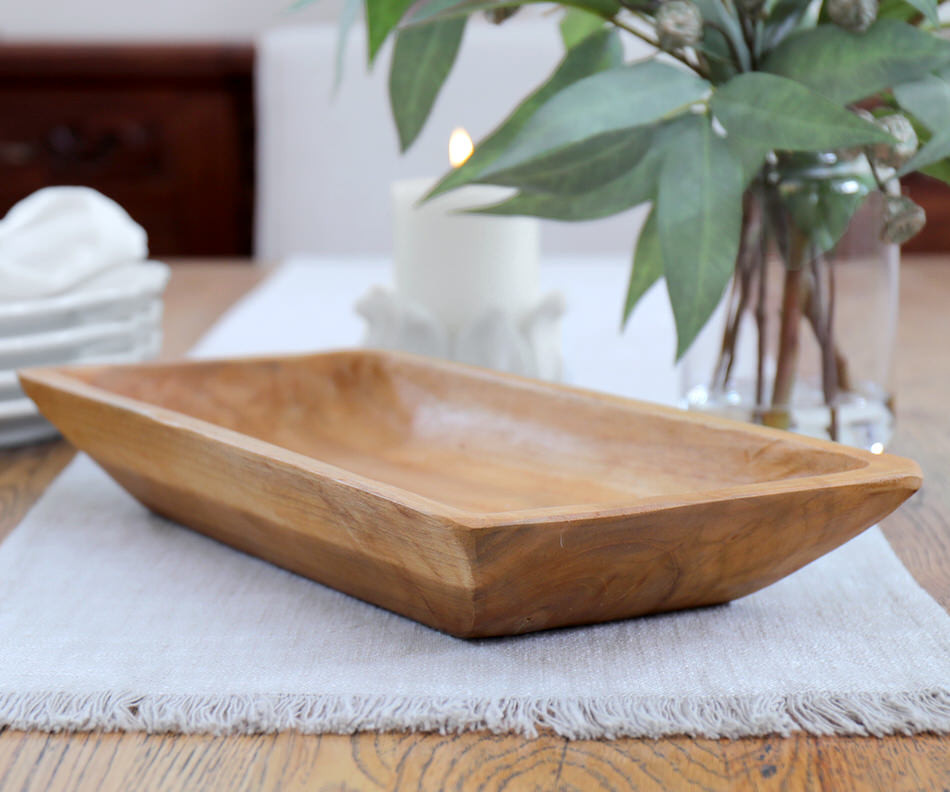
[325,162]
[105,20]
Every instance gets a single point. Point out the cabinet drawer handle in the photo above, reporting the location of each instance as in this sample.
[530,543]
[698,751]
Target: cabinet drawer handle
[78,146]
[16,153]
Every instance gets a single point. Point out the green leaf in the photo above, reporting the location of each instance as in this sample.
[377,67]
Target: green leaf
[779,113]
[577,24]
[647,266]
[928,99]
[382,16]
[637,185]
[430,10]
[578,168]
[699,216]
[751,156]
[939,170]
[847,67]
[822,207]
[907,10]
[626,191]
[721,65]
[714,40]
[596,53]
[783,18]
[422,59]
[929,9]
[896,9]
[610,101]
[348,15]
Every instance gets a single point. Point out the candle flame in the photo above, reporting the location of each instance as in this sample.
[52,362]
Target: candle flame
[460,147]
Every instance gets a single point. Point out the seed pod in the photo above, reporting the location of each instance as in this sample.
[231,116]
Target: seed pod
[903,219]
[679,23]
[854,15]
[895,154]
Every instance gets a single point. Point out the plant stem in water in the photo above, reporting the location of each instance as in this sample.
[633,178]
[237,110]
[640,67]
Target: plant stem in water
[741,289]
[761,325]
[778,414]
[821,314]
[830,355]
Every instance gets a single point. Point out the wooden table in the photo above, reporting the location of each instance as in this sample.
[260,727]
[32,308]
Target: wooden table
[919,532]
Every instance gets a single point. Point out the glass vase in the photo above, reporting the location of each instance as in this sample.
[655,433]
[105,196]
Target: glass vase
[805,343]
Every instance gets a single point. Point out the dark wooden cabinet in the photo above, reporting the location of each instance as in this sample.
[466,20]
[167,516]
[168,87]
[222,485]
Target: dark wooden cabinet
[165,130]
[934,196]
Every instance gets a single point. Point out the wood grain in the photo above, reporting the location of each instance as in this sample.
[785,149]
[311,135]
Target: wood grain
[918,531]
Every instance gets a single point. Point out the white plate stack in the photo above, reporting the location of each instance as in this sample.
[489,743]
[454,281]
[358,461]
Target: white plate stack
[114,317]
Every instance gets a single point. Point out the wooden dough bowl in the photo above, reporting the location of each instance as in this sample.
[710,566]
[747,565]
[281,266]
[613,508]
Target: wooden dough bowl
[474,502]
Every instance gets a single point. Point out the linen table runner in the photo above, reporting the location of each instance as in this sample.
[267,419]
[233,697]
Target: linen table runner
[114,618]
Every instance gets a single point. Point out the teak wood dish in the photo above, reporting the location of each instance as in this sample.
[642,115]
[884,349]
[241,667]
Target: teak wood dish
[477,503]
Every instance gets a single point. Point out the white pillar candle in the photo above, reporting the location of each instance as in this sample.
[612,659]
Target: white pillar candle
[456,265]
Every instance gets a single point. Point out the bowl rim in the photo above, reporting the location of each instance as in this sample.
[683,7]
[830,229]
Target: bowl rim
[885,470]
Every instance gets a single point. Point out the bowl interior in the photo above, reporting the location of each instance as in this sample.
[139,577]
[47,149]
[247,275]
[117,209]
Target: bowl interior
[470,440]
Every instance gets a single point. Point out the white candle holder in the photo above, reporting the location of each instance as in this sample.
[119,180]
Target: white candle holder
[526,342]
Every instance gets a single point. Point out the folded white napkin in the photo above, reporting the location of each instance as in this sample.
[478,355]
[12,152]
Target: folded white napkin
[60,236]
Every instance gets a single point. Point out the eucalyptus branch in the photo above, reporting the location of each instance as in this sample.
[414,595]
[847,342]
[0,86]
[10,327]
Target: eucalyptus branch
[696,67]
[702,61]
[877,177]
[680,56]
[633,31]
[792,207]
[729,42]
[748,35]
